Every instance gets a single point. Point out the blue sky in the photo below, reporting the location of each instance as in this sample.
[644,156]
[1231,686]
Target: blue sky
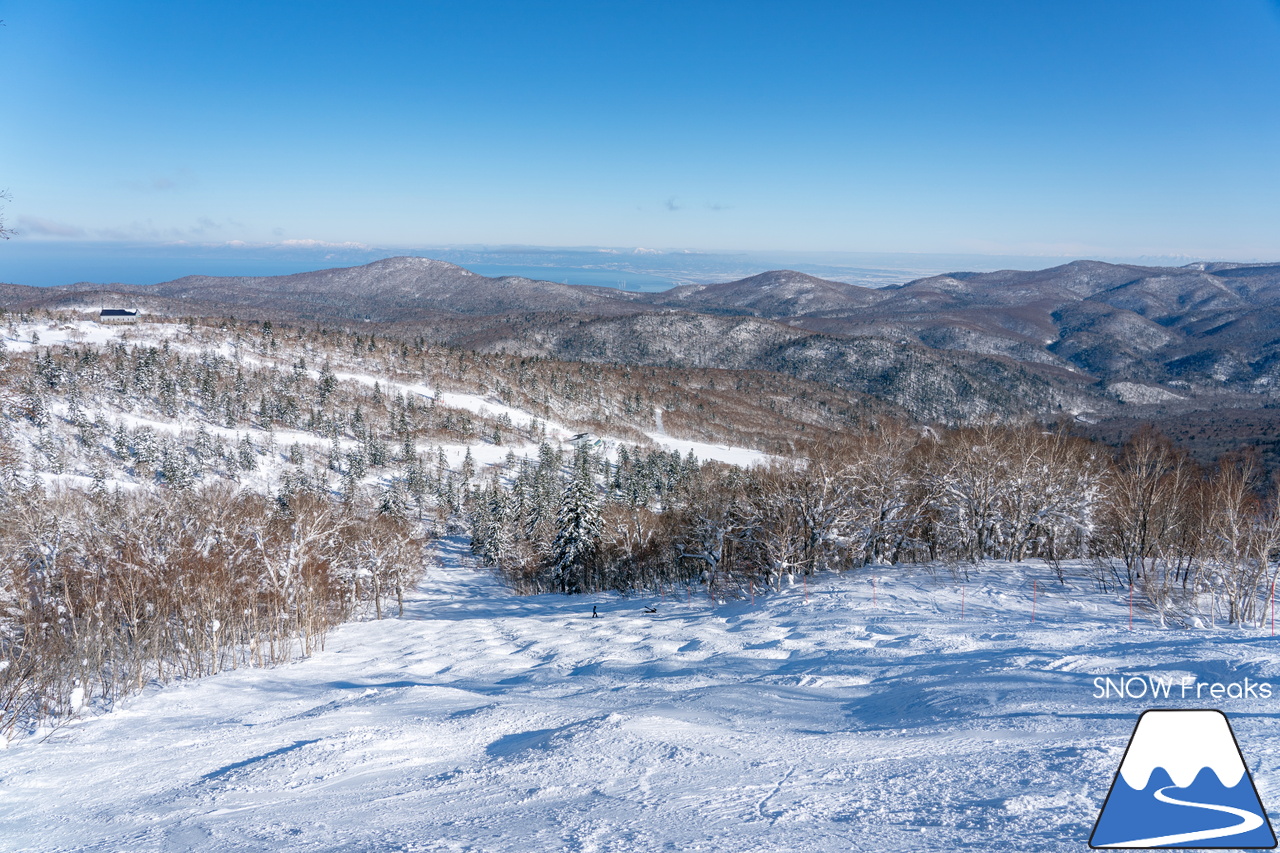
[1065,129]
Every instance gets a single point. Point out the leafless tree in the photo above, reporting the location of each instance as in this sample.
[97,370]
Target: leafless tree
[5,233]
[1239,538]
[1148,490]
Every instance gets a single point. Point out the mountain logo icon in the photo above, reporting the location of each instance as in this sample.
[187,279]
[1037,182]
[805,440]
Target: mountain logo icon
[1183,783]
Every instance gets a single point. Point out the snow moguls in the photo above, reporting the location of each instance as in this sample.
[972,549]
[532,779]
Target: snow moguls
[487,720]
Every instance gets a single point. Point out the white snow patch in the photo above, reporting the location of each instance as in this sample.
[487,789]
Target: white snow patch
[740,456]
[1132,392]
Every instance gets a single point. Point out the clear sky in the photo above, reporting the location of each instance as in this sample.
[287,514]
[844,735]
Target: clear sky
[1111,128]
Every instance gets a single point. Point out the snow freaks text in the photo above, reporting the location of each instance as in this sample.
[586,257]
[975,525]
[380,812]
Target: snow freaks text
[1182,687]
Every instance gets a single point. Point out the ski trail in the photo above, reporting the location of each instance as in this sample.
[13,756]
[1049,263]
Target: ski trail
[1248,821]
[485,720]
[772,817]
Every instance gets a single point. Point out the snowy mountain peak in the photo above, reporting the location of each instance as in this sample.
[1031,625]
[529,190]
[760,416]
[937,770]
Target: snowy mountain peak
[1183,743]
[413,263]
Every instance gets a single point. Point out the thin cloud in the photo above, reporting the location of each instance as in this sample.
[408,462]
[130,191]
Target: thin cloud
[203,228]
[318,244]
[162,183]
[286,245]
[672,204]
[34,225]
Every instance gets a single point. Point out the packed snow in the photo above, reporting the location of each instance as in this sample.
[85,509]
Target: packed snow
[891,709]
[740,456]
[1133,392]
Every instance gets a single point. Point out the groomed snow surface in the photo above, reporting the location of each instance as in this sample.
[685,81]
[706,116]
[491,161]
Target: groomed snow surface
[869,719]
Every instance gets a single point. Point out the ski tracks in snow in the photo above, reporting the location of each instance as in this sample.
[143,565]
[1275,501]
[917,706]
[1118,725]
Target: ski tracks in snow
[486,721]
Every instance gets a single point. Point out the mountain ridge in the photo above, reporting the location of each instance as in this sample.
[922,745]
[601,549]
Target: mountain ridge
[1197,336]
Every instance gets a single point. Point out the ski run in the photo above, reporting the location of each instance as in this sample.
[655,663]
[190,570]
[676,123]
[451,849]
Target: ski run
[889,709]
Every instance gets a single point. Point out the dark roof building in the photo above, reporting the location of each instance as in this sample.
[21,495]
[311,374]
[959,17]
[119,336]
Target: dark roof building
[117,315]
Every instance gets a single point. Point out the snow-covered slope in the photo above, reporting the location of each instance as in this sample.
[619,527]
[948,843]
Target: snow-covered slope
[874,716]
[524,429]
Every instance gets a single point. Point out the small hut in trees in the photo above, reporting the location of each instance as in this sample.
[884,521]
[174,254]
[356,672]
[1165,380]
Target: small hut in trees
[585,439]
[117,315]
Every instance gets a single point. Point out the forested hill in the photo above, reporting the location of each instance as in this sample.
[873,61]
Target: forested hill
[1087,339]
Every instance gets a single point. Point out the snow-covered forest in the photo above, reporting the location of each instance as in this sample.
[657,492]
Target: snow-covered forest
[1195,543]
[185,497]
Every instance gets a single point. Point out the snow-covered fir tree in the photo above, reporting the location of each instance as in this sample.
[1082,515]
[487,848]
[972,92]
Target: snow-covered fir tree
[578,530]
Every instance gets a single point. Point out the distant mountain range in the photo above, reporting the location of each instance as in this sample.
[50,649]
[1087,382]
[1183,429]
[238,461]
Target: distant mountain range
[1087,339]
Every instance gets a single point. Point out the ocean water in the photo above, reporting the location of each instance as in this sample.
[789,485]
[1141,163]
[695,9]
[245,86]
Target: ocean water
[48,264]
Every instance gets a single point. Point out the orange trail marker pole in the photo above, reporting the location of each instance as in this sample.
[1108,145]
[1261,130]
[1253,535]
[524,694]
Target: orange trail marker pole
[806,589]
[752,584]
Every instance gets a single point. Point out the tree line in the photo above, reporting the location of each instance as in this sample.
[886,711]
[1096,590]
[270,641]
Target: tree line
[1188,538]
[102,593]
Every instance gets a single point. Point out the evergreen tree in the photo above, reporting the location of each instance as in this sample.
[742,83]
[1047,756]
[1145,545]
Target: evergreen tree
[417,482]
[246,454]
[490,536]
[327,383]
[468,468]
[175,467]
[394,502]
[578,530]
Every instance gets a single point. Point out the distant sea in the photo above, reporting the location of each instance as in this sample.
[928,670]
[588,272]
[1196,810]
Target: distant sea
[44,263]
[616,279]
